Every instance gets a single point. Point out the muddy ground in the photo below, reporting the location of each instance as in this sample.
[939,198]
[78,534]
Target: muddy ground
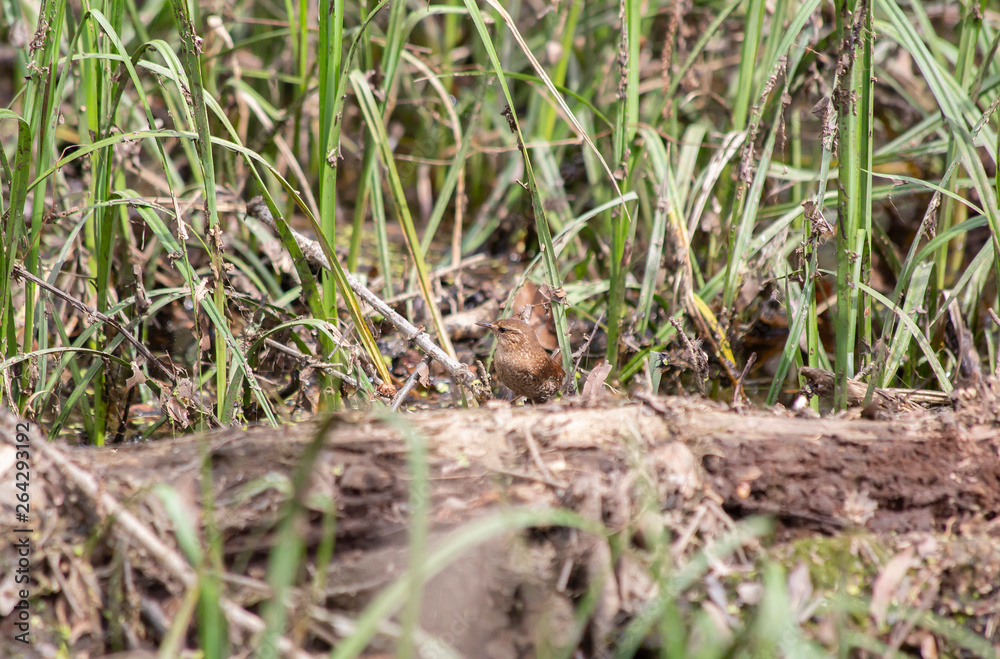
[901,513]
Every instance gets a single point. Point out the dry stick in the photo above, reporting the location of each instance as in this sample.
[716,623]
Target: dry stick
[409,384]
[458,371]
[94,313]
[586,346]
[312,362]
[130,525]
[737,397]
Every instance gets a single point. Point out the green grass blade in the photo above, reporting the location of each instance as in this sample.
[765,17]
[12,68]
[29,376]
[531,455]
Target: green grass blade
[373,119]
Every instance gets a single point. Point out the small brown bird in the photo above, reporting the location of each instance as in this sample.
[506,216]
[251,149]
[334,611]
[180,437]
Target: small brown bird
[521,363]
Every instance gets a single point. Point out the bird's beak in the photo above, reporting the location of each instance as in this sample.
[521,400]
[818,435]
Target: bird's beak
[488,326]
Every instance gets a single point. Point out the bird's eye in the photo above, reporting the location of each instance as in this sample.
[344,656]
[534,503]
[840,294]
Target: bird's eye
[502,329]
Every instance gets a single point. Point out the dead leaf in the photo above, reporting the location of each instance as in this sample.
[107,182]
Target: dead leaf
[423,374]
[595,381]
[887,584]
[205,344]
[176,410]
[552,294]
[138,377]
[200,291]
[531,307]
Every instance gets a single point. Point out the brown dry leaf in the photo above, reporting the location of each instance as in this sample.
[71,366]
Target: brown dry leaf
[186,390]
[424,374]
[552,294]
[138,377]
[200,291]
[177,412]
[525,297]
[530,302]
[595,381]
[205,344]
[176,406]
[887,584]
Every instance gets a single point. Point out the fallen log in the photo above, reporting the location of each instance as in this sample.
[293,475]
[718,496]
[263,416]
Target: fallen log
[605,459]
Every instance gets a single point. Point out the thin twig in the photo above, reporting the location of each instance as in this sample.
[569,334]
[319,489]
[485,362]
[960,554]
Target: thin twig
[409,384]
[738,395]
[312,362]
[586,346]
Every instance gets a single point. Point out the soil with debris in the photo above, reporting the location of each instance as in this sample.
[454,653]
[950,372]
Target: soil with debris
[924,488]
